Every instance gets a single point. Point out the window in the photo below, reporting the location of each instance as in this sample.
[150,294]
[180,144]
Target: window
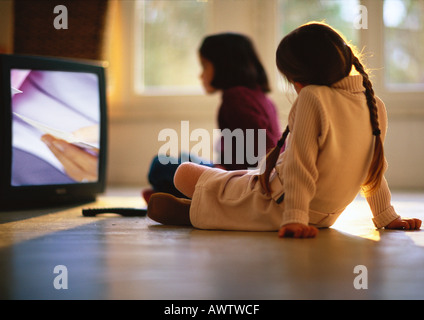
[340,14]
[404,44]
[402,47]
[168,35]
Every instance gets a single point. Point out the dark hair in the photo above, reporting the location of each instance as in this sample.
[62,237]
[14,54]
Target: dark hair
[317,54]
[235,62]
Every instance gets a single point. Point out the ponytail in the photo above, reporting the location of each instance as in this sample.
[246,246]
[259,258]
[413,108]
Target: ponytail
[375,172]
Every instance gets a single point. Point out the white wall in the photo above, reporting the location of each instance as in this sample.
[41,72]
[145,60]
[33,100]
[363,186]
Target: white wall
[404,149]
[133,142]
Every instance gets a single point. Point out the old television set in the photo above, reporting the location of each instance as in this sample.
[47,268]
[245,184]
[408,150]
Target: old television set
[53,131]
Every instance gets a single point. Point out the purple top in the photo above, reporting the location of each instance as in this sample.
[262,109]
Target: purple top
[244,108]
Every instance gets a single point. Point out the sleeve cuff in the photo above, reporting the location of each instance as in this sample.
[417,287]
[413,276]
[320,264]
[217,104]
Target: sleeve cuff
[295,216]
[385,217]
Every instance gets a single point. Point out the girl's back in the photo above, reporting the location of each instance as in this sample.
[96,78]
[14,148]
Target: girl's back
[331,144]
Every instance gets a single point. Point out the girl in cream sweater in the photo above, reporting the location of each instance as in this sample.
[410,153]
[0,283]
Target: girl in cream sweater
[334,150]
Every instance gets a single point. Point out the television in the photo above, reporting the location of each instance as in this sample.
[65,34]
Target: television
[53,126]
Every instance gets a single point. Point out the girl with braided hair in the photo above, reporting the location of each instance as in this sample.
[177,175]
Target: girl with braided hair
[334,150]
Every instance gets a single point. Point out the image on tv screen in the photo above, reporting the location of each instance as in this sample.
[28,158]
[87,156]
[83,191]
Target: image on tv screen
[55,127]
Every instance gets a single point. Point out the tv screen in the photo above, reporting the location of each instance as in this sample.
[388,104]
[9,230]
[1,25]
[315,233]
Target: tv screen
[54,131]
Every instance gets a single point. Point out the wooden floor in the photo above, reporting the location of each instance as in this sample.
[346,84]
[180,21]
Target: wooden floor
[112,257]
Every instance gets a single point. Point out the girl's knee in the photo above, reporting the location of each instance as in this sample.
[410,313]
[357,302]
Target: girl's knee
[180,173]
[180,176]
[186,177]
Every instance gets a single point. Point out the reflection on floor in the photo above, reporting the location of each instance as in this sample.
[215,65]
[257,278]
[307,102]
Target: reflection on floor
[112,257]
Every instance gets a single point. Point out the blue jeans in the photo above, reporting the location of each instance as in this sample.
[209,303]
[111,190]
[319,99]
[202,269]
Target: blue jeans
[162,171]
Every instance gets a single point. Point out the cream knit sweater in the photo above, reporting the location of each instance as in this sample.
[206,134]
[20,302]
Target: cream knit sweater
[328,153]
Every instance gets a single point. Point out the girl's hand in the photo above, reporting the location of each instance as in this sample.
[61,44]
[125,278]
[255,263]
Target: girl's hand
[297,230]
[404,224]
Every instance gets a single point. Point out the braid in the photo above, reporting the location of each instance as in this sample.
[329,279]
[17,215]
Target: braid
[369,94]
[375,173]
[271,160]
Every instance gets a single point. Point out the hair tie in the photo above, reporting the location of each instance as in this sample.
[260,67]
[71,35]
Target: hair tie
[376,132]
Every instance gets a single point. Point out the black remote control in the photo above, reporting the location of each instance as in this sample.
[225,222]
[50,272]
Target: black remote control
[126,212]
